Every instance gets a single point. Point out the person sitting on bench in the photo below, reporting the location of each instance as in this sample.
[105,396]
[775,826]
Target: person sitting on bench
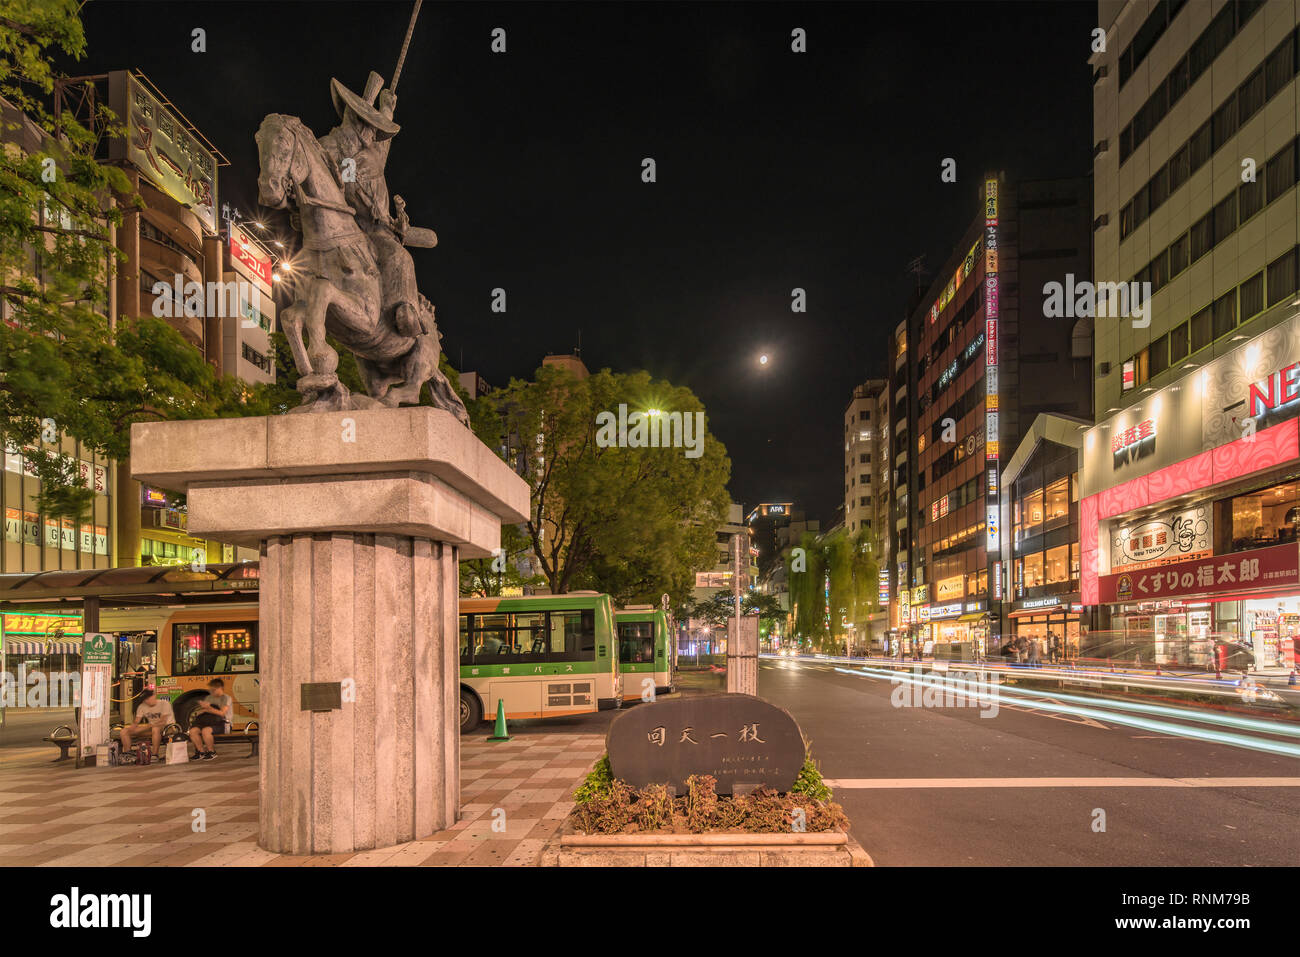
[153,714]
[211,718]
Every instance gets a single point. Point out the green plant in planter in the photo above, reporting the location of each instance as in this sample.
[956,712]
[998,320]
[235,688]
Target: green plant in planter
[809,782]
[598,785]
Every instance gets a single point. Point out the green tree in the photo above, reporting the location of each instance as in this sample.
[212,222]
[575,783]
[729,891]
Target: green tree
[842,564]
[633,522]
[490,577]
[66,369]
[716,609]
[805,571]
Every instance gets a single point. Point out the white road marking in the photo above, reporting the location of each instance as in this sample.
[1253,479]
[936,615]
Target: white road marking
[1096,782]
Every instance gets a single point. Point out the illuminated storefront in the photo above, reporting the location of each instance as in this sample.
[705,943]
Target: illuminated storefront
[1190,533]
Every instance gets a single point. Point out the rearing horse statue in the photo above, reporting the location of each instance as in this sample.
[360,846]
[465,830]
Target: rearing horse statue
[340,288]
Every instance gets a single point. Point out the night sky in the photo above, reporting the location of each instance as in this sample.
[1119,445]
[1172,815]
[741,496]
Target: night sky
[775,170]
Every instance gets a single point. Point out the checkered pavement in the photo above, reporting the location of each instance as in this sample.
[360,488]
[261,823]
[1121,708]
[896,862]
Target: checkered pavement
[54,814]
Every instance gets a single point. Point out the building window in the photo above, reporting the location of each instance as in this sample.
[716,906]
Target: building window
[255,357]
[1033,570]
[1252,296]
[1279,68]
[1056,564]
[1270,516]
[1179,168]
[1202,236]
[1225,218]
[1281,277]
[1225,313]
[1056,504]
[1160,355]
[1199,147]
[1202,330]
[1280,173]
[1178,342]
[1250,199]
[1250,96]
[1178,255]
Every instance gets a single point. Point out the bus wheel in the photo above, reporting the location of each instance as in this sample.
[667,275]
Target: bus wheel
[471,712]
[184,711]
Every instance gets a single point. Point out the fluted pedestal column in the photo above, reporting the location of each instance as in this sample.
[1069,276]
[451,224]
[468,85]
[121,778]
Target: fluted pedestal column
[360,518]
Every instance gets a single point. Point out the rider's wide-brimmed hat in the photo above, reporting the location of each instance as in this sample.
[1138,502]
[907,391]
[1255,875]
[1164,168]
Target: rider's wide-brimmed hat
[363,106]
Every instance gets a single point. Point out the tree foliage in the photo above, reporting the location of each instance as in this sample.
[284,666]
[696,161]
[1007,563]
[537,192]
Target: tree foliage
[717,609]
[845,563]
[633,522]
[66,369]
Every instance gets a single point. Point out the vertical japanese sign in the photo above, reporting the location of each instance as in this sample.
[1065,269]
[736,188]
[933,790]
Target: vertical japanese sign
[96,679]
[993,510]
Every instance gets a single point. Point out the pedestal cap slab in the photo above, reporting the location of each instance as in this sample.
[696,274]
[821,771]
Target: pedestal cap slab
[410,471]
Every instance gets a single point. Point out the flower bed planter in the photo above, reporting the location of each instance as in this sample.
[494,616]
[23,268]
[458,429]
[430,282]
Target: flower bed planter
[568,848]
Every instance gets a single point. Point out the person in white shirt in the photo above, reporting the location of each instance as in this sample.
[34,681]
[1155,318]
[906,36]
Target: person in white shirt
[152,715]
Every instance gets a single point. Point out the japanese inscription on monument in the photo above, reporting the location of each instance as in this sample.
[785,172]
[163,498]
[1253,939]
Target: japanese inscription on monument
[737,738]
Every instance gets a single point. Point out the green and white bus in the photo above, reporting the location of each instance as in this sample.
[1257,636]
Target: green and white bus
[544,656]
[643,653]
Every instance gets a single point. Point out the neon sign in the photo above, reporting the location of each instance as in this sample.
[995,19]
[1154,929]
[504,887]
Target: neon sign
[1146,429]
[1283,388]
[992,518]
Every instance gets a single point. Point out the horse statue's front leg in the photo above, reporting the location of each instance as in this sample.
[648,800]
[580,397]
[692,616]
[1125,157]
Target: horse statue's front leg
[319,382]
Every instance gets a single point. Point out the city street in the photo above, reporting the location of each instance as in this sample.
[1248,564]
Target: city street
[902,815]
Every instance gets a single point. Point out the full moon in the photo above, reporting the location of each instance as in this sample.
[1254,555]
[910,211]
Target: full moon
[762,360]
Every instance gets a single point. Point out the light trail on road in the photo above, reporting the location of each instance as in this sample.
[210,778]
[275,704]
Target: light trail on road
[1100,709]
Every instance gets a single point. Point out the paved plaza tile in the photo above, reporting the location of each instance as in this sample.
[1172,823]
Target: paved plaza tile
[514,795]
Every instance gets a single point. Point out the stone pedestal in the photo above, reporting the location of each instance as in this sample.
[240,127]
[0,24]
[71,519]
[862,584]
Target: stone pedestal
[360,518]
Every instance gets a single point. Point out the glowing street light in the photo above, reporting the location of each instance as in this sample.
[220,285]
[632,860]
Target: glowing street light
[762,360]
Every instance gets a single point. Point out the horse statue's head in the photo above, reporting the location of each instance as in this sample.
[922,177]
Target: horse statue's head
[281,158]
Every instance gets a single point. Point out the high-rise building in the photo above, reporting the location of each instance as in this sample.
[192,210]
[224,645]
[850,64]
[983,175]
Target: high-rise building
[1190,508]
[764,520]
[34,542]
[862,496]
[987,359]
[866,489]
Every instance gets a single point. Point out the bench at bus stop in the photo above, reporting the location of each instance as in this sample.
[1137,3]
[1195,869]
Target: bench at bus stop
[248,735]
[68,739]
[65,739]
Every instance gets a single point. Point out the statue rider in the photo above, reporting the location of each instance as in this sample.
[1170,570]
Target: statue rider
[364,136]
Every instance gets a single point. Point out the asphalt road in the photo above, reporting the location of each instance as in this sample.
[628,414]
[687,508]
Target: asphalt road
[904,776]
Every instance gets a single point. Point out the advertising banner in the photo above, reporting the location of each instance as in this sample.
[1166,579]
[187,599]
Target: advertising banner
[1259,568]
[161,146]
[1171,536]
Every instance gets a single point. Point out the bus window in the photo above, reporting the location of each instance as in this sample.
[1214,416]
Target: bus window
[573,636]
[187,649]
[506,639]
[213,648]
[465,658]
[636,642]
